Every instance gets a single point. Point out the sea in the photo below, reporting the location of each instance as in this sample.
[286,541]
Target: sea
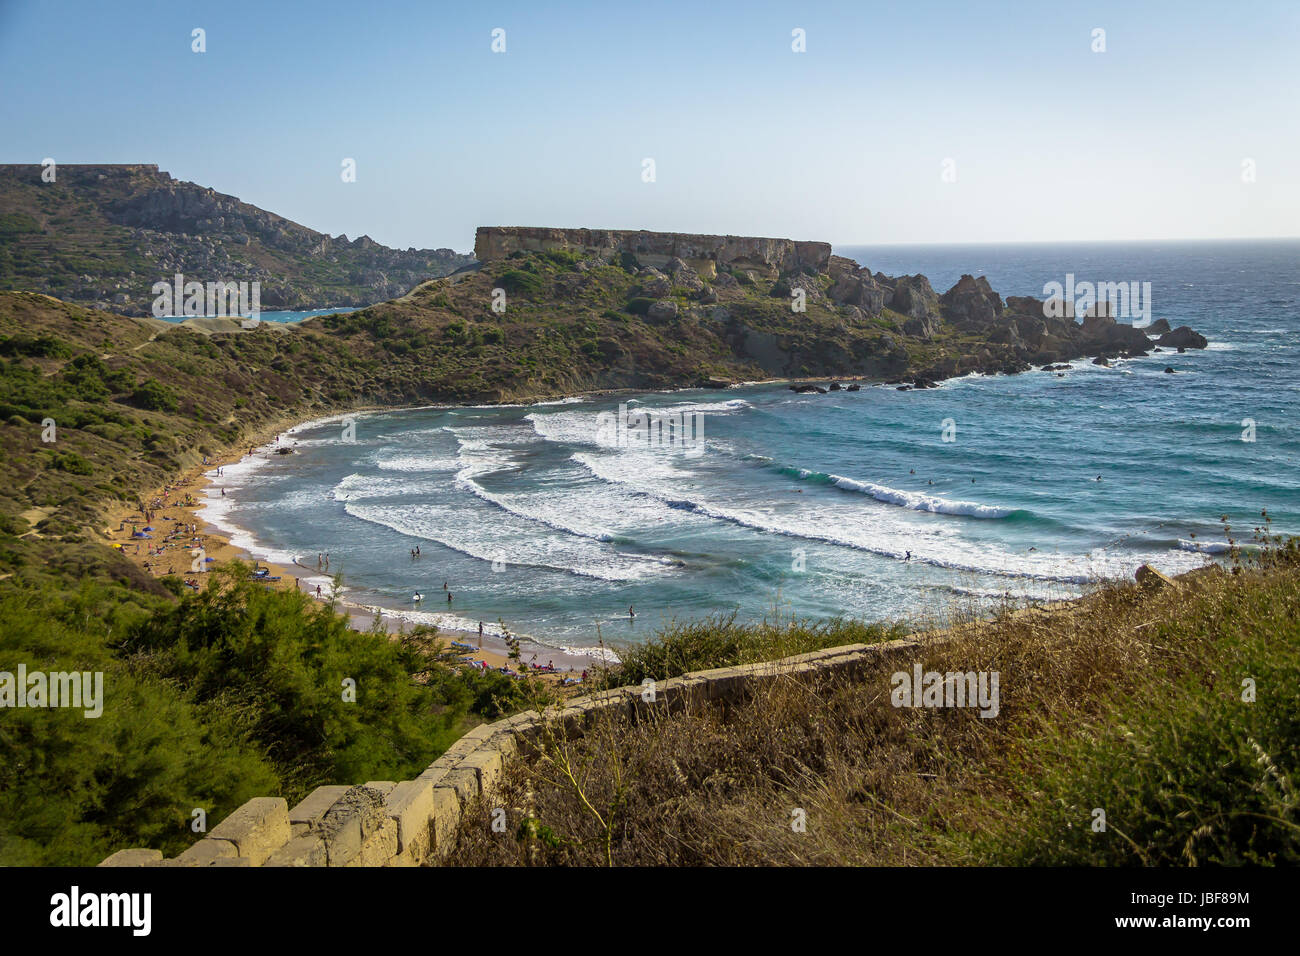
[543,521]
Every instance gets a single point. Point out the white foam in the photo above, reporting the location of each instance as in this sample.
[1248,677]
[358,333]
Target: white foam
[890,534]
[914,500]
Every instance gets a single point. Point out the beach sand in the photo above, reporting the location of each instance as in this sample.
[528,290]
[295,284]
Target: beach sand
[180,532]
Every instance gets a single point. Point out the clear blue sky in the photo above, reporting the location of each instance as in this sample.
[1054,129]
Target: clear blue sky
[845,142]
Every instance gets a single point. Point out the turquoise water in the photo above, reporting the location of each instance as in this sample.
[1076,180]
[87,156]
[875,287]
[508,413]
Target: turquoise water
[812,503]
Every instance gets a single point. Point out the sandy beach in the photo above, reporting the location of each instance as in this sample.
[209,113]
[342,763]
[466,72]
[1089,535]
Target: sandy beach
[171,536]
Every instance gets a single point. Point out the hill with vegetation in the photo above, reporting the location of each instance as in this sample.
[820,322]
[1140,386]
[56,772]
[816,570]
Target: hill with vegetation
[102,236]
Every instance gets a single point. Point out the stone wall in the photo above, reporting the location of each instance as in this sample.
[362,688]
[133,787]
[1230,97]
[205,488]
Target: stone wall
[705,254]
[413,822]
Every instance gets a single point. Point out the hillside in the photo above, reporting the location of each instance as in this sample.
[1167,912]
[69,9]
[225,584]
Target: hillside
[103,235]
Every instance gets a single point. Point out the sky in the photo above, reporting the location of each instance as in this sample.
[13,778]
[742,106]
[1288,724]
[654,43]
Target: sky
[918,121]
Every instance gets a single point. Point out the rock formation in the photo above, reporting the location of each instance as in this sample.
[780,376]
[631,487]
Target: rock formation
[706,255]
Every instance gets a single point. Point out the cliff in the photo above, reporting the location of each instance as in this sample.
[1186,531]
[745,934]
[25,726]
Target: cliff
[707,255]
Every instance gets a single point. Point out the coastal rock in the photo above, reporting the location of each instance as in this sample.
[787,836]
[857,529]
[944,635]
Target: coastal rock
[839,265]
[1183,338]
[923,327]
[971,304]
[784,287]
[1158,327]
[915,298]
[859,289]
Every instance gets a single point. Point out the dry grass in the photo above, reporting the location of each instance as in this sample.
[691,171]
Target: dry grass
[1090,695]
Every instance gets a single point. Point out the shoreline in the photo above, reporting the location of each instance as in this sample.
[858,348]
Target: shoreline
[185,520]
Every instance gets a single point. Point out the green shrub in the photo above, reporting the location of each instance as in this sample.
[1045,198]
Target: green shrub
[154,396]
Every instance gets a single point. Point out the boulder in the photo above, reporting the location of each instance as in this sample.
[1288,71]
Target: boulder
[1183,337]
[1148,577]
[662,311]
[655,285]
[1158,327]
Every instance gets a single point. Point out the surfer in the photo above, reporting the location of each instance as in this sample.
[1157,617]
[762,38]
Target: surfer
[630,613]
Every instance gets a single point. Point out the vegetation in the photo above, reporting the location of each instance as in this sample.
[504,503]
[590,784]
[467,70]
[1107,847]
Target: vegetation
[1132,703]
[235,692]
[720,641]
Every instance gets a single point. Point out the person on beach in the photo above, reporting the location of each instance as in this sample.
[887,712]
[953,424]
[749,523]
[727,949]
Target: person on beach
[318,594]
[480,635]
[318,559]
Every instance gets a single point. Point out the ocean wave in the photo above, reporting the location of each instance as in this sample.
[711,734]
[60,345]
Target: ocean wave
[585,428]
[897,539]
[507,543]
[1204,547]
[912,500]
[414,463]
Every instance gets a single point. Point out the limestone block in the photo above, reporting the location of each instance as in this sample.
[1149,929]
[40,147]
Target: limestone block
[306,850]
[257,829]
[307,814]
[206,851]
[134,858]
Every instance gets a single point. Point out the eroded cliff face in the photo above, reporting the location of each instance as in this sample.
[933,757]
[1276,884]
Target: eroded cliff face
[705,254]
